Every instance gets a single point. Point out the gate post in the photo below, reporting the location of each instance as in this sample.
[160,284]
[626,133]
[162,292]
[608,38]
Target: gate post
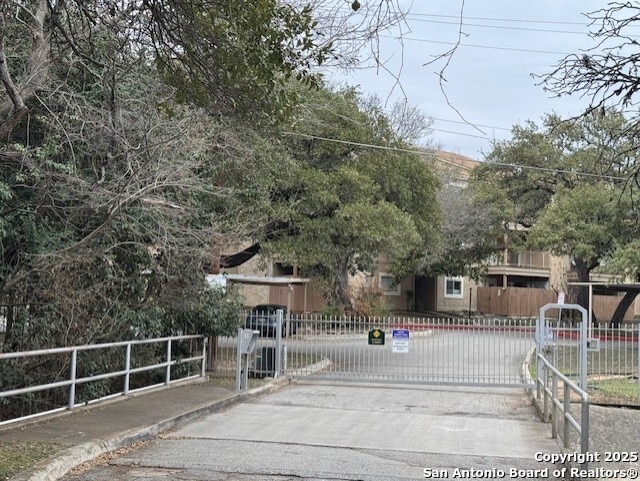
[278,353]
[541,338]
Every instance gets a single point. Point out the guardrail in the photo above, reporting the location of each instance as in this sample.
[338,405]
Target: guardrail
[547,372]
[73,381]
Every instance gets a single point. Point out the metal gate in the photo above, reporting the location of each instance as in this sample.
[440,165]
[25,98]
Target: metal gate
[485,352]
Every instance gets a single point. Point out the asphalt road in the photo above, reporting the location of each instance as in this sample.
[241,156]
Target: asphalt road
[345,432]
[440,356]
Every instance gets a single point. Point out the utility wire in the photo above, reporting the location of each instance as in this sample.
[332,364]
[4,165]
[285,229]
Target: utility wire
[493,19]
[502,27]
[446,161]
[413,39]
[460,133]
[461,122]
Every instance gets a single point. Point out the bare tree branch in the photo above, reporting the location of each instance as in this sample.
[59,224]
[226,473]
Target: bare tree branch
[448,56]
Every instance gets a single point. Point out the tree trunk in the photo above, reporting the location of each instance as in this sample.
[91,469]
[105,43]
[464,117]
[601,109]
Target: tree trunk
[340,284]
[584,274]
[12,108]
[623,305]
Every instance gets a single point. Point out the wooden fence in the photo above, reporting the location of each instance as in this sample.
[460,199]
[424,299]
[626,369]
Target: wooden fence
[314,300]
[526,302]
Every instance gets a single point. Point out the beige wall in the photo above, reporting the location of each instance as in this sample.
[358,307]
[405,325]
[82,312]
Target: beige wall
[253,295]
[399,301]
[454,304]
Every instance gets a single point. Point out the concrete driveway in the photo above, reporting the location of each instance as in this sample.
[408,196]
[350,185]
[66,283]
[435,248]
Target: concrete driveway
[348,432]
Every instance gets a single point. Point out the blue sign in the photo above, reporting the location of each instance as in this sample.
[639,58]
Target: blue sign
[401,333]
[400,340]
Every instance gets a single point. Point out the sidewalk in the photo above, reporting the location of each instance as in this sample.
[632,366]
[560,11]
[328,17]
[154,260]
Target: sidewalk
[100,428]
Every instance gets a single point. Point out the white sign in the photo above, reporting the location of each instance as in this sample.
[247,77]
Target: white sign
[400,340]
[560,297]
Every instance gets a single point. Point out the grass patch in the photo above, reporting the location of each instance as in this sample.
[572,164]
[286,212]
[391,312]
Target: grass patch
[615,390]
[17,456]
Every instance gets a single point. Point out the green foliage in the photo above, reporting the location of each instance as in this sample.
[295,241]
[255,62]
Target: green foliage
[582,222]
[236,57]
[345,205]
[333,309]
[212,312]
[624,260]
[538,181]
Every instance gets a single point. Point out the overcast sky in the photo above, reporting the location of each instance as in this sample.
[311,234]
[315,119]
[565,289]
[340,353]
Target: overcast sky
[491,87]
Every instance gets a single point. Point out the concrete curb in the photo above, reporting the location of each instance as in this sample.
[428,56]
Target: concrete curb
[526,375]
[54,469]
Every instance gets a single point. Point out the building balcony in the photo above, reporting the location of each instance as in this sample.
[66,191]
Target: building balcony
[524,259]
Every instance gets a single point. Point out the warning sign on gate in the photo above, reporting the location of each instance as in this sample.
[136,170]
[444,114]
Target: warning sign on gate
[400,340]
[376,337]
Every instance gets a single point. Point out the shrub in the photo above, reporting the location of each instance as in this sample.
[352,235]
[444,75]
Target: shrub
[370,301]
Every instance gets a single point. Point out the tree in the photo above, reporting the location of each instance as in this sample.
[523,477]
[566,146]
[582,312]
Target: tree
[349,203]
[134,137]
[112,183]
[607,73]
[472,224]
[584,223]
[551,182]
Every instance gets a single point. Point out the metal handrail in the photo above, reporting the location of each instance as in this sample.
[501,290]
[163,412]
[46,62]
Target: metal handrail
[551,394]
[74,381]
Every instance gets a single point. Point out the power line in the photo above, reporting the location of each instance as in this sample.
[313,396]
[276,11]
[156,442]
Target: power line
[493,19]
[460,133]
[446,161]
[502,27]
[467,123]
[413,39]
[437,119]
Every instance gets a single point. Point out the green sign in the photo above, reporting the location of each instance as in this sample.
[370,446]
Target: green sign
[376,337]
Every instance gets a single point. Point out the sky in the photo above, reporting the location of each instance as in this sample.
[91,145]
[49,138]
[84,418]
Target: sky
[490,84]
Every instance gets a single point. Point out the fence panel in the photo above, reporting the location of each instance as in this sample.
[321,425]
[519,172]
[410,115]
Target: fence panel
[526,302]
[34,383]
[415,350]
[447,351]
[613,360]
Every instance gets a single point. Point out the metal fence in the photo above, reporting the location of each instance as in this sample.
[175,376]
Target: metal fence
[488,352]
[613,360]
[34,383]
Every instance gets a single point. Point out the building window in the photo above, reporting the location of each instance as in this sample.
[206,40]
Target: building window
[388,284]
[453,287]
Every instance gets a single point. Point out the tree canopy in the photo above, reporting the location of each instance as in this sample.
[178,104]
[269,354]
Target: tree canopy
[348,202]
[137,136]
[564,185]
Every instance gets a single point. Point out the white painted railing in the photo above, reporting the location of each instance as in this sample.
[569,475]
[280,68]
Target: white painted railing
[125,373]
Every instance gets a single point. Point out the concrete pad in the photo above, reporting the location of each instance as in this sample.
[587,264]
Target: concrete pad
[459,435]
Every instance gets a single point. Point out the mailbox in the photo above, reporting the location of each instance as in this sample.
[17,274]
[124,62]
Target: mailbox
[246,346]
[247,341]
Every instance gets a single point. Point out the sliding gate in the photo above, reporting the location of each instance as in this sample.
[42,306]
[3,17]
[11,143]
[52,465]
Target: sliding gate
[489,352]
